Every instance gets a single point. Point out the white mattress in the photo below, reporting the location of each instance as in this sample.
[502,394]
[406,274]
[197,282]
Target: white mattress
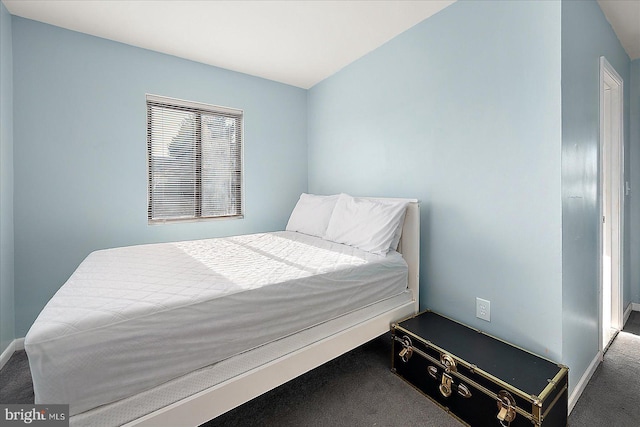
[129,409]
[129,319]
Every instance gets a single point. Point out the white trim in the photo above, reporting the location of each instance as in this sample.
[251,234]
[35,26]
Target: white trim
[15,345]
[633,306]
[19,344]
[192,104]
[608,73]
[582,384]
[198,108]
[7,353]
[627,313]
[586,377]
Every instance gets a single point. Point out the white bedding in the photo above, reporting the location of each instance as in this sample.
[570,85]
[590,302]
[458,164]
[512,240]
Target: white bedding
[132,318]
[138,405]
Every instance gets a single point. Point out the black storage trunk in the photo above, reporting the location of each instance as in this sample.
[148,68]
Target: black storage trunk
[479,379]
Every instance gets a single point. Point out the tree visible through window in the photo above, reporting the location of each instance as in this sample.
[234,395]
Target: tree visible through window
[195,160]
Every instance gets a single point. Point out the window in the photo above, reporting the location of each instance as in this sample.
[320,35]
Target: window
[195,160]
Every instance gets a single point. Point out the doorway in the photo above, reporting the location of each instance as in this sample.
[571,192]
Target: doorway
[612,202]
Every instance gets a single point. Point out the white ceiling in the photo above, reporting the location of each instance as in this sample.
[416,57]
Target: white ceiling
[295,42]
[624,17]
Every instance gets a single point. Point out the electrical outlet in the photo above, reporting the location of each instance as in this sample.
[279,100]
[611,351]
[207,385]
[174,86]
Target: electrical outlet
[483,309]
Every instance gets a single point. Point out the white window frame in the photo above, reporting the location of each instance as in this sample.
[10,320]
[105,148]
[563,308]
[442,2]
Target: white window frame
[197,108]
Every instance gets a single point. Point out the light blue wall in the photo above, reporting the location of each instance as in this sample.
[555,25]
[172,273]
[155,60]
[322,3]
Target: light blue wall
[634,159]
[586,35]
[80,151]
[463,111]
[7,330]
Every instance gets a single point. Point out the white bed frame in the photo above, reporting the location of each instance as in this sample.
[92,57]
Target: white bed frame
[208,404]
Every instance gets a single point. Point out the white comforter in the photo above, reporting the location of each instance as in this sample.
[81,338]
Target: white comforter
[131,318]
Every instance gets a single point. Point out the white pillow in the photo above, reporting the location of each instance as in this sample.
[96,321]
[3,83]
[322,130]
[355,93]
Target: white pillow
[311,214]
[398,233]
[366,224]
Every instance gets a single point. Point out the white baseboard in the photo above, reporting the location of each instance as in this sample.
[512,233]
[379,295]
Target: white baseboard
[15,345]
[633,306]
[579,388]
[19,344]
[627,313]
[7,353]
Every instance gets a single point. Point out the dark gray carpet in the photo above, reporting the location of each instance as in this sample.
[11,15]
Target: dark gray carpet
[15,380]
[357,389]
[612,397]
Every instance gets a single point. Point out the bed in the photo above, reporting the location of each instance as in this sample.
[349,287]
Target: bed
[176,334]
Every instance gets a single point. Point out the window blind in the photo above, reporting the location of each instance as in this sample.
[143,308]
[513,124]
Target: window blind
[194,159]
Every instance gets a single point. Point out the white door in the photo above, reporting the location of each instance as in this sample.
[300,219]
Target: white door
[612,201]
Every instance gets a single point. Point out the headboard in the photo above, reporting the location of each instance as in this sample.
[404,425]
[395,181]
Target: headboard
[410,248]
[409,245]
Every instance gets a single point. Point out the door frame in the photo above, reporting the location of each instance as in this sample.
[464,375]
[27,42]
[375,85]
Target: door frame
[610,78]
